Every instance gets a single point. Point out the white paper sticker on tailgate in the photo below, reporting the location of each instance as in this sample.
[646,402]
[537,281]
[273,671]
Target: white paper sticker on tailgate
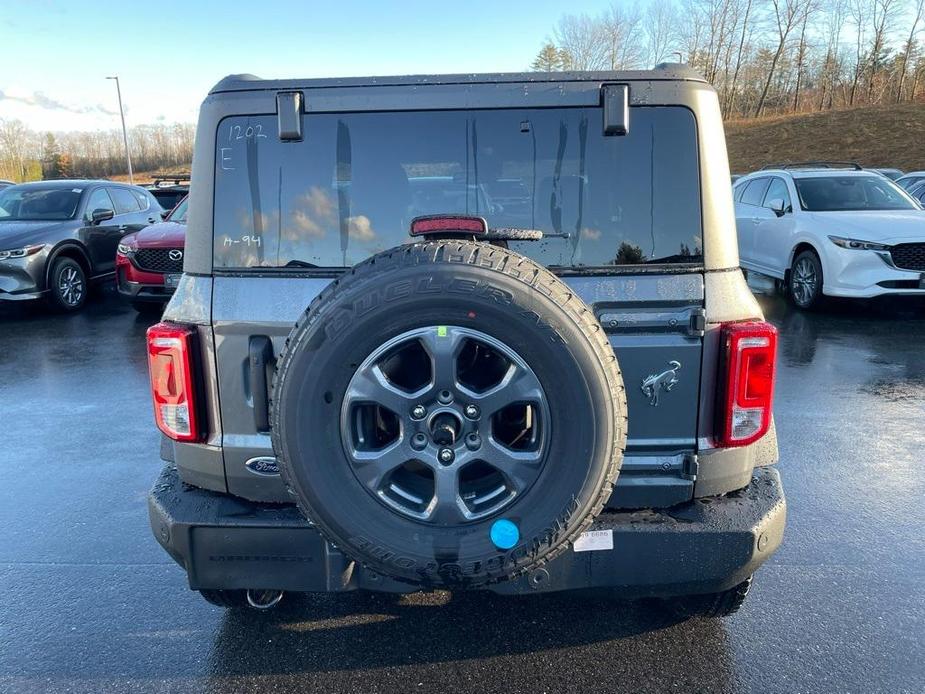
[594,540]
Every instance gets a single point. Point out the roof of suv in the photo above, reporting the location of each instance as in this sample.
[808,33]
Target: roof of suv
[816,173]
[662,72]
[71,182]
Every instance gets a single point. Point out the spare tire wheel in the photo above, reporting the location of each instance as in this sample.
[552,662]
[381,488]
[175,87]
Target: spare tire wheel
[449,414]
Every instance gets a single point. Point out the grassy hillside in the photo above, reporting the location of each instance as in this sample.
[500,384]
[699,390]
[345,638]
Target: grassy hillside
[874,136]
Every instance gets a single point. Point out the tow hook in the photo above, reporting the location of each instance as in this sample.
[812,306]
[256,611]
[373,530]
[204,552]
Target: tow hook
[263,599]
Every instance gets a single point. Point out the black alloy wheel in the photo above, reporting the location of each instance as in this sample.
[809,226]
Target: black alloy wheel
[67,285]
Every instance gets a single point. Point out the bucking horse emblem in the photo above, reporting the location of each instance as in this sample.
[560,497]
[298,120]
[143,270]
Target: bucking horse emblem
[654,384]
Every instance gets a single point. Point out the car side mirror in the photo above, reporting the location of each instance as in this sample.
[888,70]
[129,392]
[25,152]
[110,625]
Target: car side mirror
[101,215]
[777,206]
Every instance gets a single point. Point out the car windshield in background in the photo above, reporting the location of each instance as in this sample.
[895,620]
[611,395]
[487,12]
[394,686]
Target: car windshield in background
[352,186]
[848,193]
[179,213]
[38,204]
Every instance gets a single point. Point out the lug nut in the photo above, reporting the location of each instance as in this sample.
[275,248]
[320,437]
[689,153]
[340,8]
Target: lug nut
[446,456]
[418,442]
[419,412]
[473,441]
[472,411]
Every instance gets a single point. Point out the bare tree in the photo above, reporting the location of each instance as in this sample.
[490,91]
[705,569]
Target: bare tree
[883,13]
[909,48]
[740,52]
[801,56]
[582,39]
[832,27]
[660,25]
[860,15]
[620,32]
[787,15]
[14,140]
[761,55]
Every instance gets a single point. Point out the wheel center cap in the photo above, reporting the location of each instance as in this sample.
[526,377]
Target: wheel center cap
[444,429]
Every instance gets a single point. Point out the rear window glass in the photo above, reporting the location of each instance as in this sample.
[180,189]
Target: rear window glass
[124,200]
[168,199]
[143,201]
[353,185]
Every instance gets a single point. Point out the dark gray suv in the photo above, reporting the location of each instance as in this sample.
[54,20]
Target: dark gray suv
[465,332]
[58,237]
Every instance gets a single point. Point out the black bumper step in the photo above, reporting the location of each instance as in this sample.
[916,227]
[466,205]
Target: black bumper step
[703,546]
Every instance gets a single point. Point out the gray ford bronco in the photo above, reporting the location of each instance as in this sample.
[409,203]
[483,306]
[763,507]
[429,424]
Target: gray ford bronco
[465,332]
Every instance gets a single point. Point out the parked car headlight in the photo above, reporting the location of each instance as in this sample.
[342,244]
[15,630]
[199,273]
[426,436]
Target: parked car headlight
[125,249]
[20,252]
[858,245]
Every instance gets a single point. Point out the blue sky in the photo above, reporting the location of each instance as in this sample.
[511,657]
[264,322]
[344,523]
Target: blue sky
[55,55]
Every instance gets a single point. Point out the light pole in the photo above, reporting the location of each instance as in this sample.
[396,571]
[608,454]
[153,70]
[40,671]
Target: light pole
[128,157]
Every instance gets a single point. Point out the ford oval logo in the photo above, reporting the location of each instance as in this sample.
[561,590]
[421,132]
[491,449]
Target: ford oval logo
[265,466]
[175,254]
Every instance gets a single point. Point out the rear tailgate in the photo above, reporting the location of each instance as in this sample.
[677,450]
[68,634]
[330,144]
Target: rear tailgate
[654,322]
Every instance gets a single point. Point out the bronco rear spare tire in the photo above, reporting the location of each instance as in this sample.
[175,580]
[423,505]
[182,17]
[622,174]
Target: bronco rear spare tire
[449,414]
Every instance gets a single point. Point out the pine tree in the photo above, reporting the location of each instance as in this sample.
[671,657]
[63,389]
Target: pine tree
[65,167]
[51,158]
[549,59]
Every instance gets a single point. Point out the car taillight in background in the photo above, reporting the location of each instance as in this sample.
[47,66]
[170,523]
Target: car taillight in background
[748,353]
[170,362]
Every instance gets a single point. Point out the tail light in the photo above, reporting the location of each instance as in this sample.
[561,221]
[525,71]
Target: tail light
[170,361]
[749,354]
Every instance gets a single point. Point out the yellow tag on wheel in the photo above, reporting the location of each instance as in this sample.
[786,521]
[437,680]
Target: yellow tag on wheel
[441,331]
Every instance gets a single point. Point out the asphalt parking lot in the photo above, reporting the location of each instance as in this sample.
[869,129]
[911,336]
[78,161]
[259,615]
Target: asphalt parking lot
[93,604]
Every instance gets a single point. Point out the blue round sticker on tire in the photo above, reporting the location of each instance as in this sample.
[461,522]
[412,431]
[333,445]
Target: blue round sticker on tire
[504,534]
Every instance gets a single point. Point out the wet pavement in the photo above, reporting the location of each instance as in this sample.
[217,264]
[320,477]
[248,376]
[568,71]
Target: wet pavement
[91,602]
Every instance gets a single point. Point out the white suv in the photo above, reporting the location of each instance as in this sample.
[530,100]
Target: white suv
[834,232]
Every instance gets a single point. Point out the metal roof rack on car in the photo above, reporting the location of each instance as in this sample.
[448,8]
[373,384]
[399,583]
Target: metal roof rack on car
[816,165]
[176,179]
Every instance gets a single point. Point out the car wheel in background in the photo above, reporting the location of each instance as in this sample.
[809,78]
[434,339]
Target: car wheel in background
[67,285]
[804,286]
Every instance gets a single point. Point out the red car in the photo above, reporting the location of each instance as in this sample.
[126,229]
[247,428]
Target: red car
[149,262]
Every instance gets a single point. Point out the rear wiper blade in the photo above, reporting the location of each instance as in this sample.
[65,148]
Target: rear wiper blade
[676,258]
[518,234]
[299,263]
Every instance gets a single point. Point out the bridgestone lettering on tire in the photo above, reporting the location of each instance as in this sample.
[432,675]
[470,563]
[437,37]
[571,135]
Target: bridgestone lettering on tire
[436,390]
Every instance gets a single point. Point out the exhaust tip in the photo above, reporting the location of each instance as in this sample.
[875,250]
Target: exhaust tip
[264,599]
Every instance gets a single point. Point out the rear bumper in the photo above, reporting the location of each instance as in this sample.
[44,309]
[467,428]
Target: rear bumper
[699,547]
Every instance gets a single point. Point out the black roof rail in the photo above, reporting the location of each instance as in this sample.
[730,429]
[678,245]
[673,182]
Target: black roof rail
[175,178]
[816,165]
